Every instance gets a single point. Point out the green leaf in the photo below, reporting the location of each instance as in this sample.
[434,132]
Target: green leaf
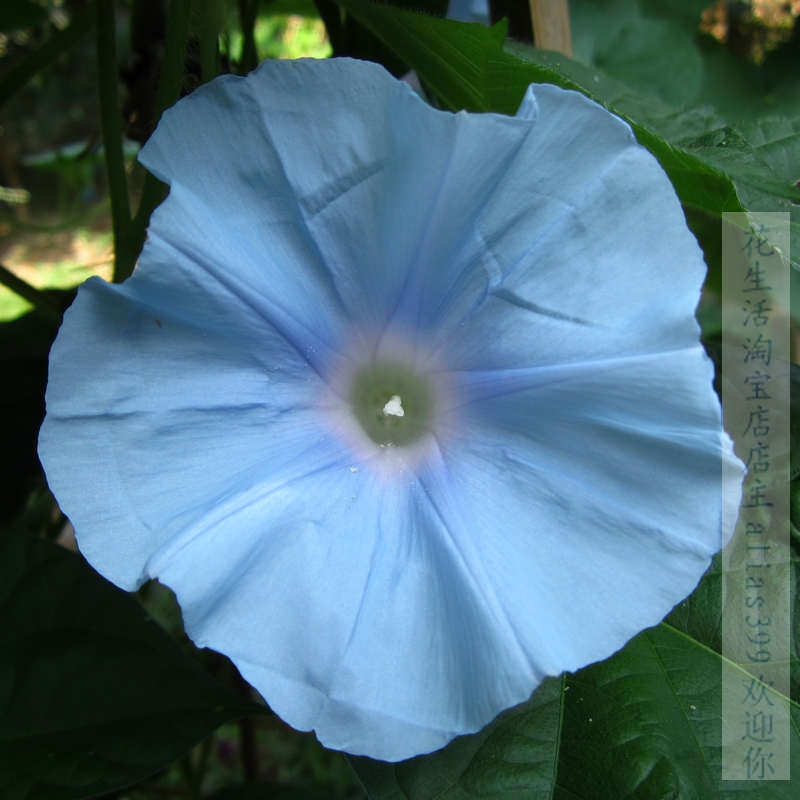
[93,694]
[777,143]
[653,56]
[644,724]
[18,14]
[741,90]
[685,12]
[466,67]
[735,87]
[794,416]
[794,437]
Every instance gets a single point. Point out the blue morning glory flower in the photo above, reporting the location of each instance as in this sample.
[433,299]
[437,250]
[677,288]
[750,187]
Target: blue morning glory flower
[407,407]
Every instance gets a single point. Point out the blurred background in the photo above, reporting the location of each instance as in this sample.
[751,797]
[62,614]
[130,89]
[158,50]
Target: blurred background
[55,221]
[56,230]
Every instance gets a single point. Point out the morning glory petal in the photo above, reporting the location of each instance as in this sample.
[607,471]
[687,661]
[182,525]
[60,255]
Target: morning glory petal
[185,396]
[386,603]
[585,481]
[309,167]
[603,272]
[344,211]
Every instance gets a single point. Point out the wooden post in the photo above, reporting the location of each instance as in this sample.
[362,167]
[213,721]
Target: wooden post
[551,25]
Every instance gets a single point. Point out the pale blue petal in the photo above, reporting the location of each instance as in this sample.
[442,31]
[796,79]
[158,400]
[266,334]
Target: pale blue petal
[165,395]
[272,154]
[353,194]
[577,267]
[351,606]
[595,493]
[347,218]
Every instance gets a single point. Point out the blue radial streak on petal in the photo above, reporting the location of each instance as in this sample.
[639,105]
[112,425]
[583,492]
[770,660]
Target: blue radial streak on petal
[374,634]
[476,385]
[165,412]
[204,245]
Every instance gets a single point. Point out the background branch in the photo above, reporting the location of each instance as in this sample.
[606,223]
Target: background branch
[551,29]
[43,304]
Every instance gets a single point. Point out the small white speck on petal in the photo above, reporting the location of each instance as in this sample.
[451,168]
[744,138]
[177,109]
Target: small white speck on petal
[353,469]
[394,407]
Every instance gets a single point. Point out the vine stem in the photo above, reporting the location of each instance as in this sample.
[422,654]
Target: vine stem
[108,94]
[551,29]
[169,92]
[248,11]
[41,302]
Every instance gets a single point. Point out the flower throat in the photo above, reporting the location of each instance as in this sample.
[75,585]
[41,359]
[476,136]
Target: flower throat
[392,404]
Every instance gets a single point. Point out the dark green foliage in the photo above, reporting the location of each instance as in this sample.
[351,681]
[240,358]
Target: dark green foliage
[262,790]
[19,14]
[94,695]
[24,347]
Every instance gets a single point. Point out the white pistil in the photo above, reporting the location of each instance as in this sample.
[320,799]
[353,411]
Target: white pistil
[394,407]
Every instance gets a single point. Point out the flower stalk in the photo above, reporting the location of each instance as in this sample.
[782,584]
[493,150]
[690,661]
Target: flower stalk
[248,10]
[209,14]
[129,233]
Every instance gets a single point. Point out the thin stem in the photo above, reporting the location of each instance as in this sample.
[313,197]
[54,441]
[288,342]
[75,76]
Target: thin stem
[248,10]
[248,745]
[208,27]
[108,93]
[209,55]
[169,89]
[202,761]
[187,773]
[248,748]
[41,302]
[169,92]
[59,43]
[193,773]
[331,16]
[551,29]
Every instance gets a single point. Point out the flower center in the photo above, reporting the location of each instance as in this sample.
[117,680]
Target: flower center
[392,404]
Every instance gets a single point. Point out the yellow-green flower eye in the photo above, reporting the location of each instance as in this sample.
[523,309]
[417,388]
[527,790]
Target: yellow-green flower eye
[392,404]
